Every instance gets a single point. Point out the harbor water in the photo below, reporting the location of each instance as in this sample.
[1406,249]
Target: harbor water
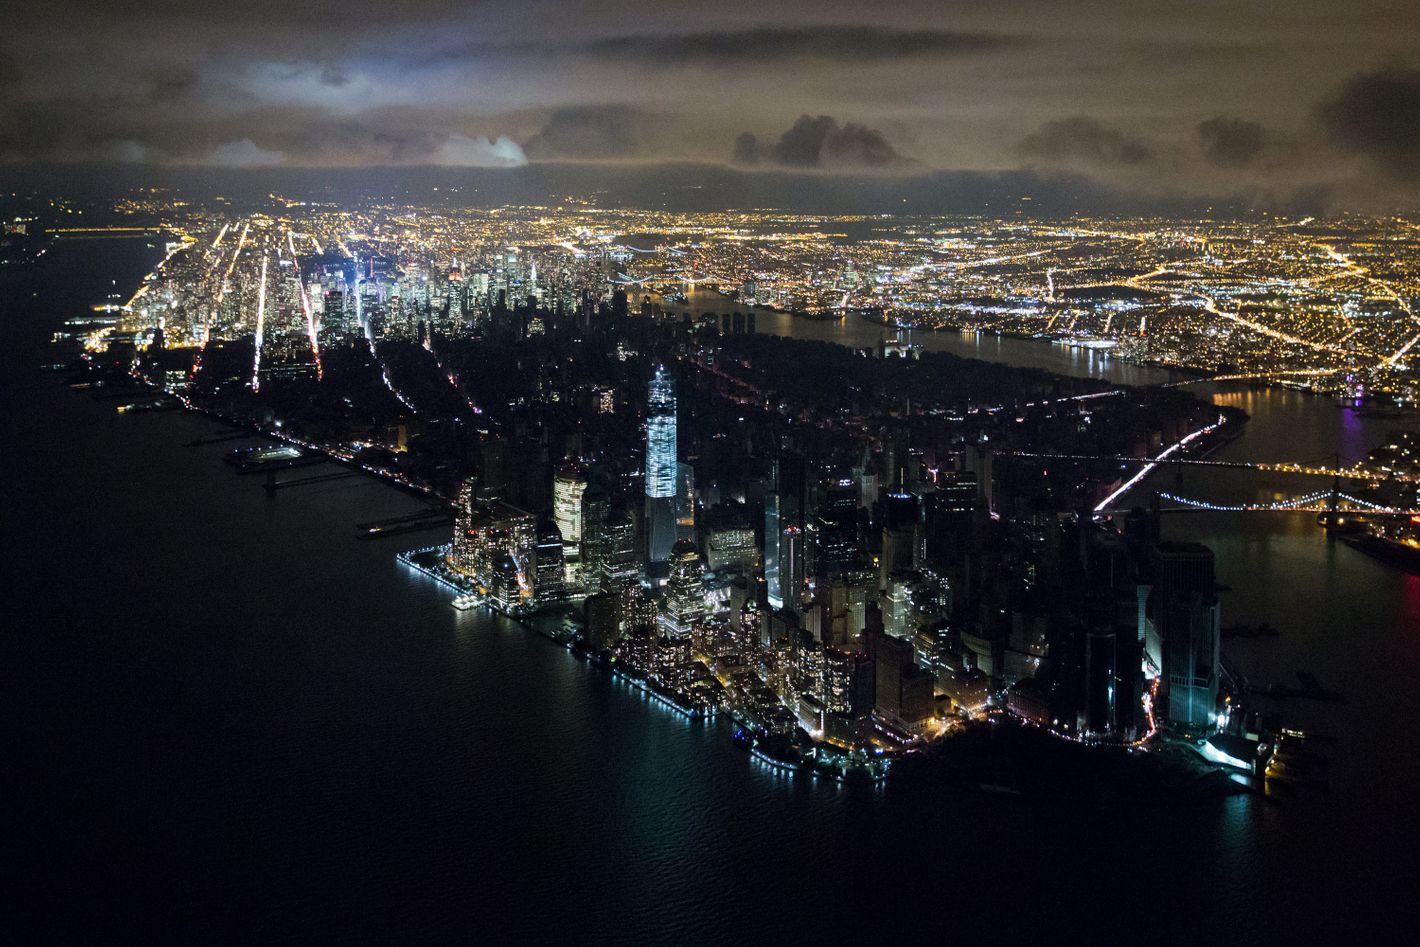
[227,719]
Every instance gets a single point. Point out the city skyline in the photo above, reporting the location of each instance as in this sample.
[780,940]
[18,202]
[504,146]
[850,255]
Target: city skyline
[648,472]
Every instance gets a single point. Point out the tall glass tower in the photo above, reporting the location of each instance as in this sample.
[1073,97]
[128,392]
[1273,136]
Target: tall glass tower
[772,532]
[660,471]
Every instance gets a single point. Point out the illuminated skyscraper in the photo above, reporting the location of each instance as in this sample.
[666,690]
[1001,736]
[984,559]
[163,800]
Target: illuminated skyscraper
[619,563]
[791,568]
[685,592]
[660,471]
[567,515]
[685,501]
[567,489]
[772,531]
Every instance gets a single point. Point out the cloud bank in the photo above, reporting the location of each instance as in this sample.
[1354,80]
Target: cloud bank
[1130,96]
[820,142]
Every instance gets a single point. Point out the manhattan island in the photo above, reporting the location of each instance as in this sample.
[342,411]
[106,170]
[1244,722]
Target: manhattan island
[853,553]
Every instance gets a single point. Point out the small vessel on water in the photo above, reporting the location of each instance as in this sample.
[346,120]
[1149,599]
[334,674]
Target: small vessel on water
[147,404]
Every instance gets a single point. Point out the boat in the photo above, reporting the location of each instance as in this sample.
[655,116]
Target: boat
[152,404]
[465,602]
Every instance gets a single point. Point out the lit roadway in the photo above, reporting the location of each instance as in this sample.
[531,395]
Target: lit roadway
[1356,269]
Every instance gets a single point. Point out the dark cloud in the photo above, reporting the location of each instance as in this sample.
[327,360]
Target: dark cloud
[766,45]
[803,145]
[1086,141]
[859,146]
[590,133]
[746,148]
[845,43]
[167,84]
[820,142]
[1231,142]
[1377,114]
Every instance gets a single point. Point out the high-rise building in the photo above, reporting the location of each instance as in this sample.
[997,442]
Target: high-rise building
[602,613]
[900,533]
[660,471]
[485,532]
[1185,638]
[845,611]
[685,501]
[950,515]
[568,487]
[596,511]
[619,566]
[897,606]
[460,555]
[791,482]
[685,590]
[791,567]
[838,526]
[730,547]
[492,459]
[549,571]
[1101,698]
[505,586]
[772,532]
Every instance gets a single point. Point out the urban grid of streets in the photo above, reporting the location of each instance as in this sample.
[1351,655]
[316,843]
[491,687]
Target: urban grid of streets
[1319,304]
[1326,304]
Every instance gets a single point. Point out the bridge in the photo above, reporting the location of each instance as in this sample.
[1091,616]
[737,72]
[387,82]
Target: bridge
[1322,501]
[1303,470]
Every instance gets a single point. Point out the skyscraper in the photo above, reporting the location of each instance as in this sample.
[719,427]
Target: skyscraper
[1185,638]
[568,486]
[685,501]
[596,512]
[772,531]
[899,537]
[685,593]
[660,471]
[549,568]
[791,568]
[838,526]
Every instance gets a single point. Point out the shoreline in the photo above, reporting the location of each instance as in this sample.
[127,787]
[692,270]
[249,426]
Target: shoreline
[797,763]
[1202,375]
[784,758]
[603,661]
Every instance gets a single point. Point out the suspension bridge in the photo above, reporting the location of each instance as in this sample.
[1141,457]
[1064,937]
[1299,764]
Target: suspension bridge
[1332,501]
[1320,501]
[1303,470]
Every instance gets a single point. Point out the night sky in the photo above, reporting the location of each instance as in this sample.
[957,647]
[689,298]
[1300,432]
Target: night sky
[1195,97]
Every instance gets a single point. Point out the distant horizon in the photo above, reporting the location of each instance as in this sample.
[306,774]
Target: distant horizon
[682,186]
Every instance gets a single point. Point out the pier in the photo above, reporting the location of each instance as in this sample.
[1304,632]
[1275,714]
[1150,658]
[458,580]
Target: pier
[238,436]
[272,484]
[399,525]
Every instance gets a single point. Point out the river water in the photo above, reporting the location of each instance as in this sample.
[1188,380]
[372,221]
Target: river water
[227,719]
